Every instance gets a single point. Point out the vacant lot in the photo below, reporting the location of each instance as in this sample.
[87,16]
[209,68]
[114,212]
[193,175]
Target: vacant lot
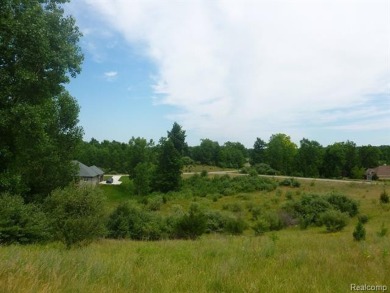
[289,260]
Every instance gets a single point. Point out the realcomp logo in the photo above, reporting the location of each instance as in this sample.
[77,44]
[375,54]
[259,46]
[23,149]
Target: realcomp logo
[366,287]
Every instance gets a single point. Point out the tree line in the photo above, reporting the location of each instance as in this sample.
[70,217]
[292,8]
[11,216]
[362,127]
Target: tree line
[277,156]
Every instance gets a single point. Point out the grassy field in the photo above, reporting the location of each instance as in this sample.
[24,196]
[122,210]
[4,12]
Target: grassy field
[290,260]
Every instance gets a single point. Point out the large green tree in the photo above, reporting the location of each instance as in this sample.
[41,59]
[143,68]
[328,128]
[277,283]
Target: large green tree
[139,151]
[207,152]
[257,155]
[38,118]
[369,156]
[281,152]
[309,158]
[233,155]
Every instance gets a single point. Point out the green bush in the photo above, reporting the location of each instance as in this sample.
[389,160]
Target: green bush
[261,226]
[233,207]
[363,219]
[274,220]
[343,204]
[77,214]
[334,220]
[265,169]
[360,232]
[256,212]
[226,185]
[130,221]
[308,209]
[21,223]
[216,222]
[235,226]
[384,197]
[192,224]
[154,204]
[290,182]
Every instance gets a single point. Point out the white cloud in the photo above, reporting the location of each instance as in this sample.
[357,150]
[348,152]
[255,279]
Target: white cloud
[253,68]
[110,75]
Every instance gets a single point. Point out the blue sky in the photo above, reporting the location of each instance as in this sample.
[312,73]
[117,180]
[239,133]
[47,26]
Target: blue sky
[235,70]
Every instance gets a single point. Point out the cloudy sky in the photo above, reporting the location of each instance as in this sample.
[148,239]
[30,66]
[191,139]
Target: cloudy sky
[235,70]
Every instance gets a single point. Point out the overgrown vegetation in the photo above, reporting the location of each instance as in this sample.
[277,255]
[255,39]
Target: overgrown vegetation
[77,214]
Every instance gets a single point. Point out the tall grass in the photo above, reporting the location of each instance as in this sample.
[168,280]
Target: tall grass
[290,260]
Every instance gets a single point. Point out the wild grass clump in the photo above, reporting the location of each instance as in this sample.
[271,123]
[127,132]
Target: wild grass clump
[382,231]
[384,197]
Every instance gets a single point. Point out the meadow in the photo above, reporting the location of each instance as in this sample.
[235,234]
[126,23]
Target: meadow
[289,260]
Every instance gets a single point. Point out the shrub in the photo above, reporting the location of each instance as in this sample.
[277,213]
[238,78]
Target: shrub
[21,223]
[204,173]
[261,226]
[290,182]
[216,222]
[191,225]
[289,195]
[384,197]
[343,204]
[363,219]
[308,209]
[155,203]
[334,220]
[77,214]
[252,172]
[265,169]
[235,226]
[360,232]
[129,221]
[274,220]
[233,207]
[256,212]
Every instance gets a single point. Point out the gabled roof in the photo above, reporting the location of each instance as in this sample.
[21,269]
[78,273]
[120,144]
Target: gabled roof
[85,171]
[97,170]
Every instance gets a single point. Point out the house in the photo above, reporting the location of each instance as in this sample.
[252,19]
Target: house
[381,172]
[92,175]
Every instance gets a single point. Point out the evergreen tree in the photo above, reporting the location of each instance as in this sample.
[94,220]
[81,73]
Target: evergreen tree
[178,136]
[168,170]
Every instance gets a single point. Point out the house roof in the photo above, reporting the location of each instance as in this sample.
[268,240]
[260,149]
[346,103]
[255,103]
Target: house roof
[97,170]
[85,171]
[383,171]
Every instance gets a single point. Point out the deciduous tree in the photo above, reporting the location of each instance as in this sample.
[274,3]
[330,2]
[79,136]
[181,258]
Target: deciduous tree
[38,118]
